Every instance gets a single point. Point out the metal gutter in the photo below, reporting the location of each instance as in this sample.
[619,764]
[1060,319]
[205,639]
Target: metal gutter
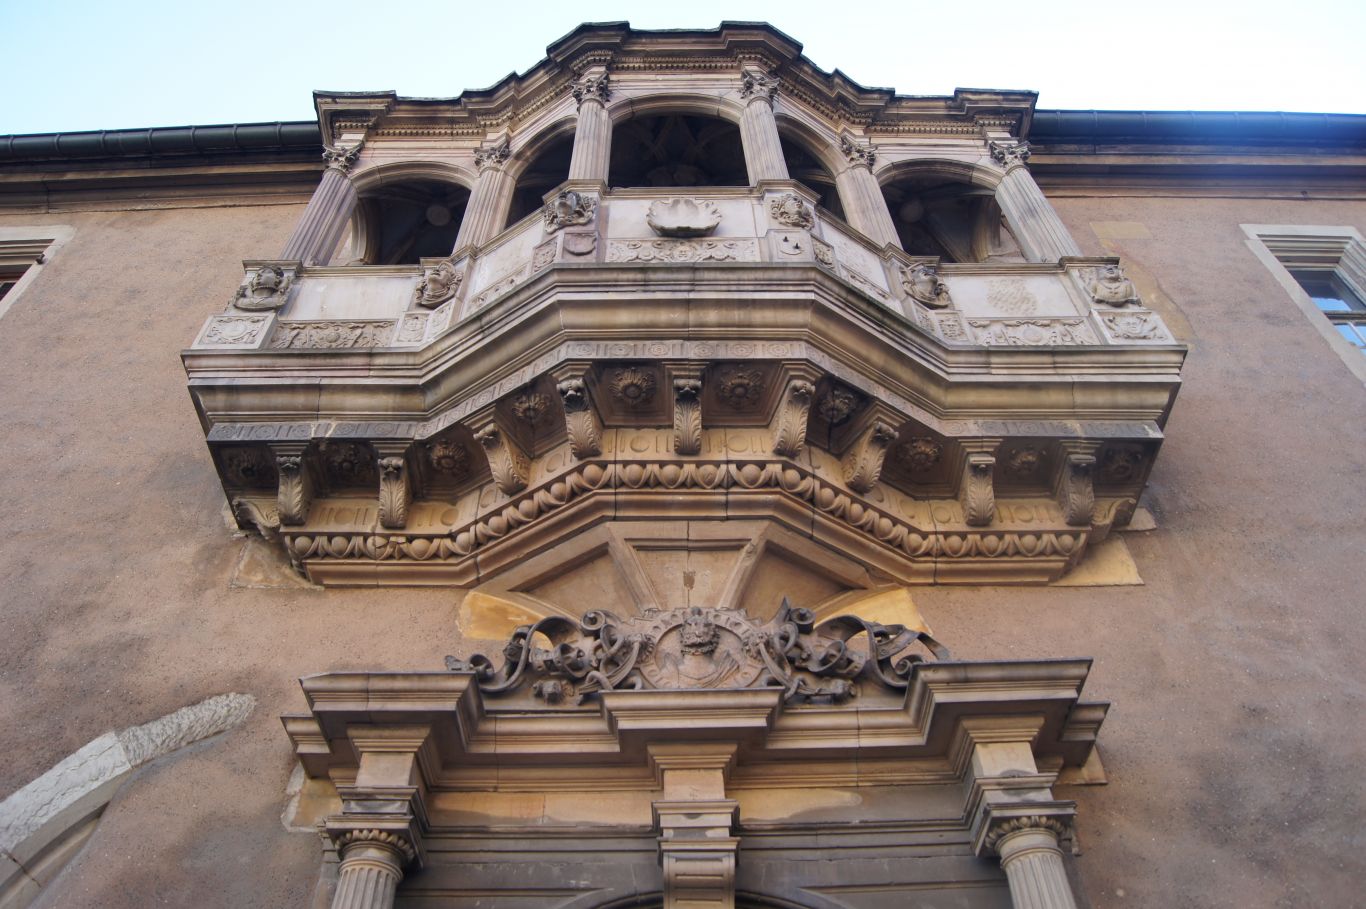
[159,142]
[1233,128]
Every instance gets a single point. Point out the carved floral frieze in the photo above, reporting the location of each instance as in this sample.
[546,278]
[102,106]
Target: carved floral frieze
[1023,463]
[696,647]
[235,331]
[348,463]
[1122,464]
[682,251]
[331,335]
[1134,326]
[1032,332]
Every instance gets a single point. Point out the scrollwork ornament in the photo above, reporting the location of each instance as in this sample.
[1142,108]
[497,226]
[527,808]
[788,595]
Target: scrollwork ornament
[977,494]
[697,648]
[509,466]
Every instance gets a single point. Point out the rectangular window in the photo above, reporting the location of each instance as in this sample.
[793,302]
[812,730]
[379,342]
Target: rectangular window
[1324,270]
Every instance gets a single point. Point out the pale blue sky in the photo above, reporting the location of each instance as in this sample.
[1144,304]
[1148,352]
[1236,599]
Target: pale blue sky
[76,65]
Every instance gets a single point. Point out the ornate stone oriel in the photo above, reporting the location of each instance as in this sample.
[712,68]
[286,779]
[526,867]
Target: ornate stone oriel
[698,647]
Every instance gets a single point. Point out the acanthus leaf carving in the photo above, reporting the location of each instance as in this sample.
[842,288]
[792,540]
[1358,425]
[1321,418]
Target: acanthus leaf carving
[331,335]
[789,435]
[295,490]
[857,154]
[341,158]
[1058,825]
[389,839]
[509,465]
[1032,332]
[1076,492]
[395,490]
[592,87]
[495,155]
[580,420]
[977,492]
[687,416]
[701,648]
[863,462]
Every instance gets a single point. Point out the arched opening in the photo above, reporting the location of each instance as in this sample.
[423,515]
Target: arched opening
[677,150]
[956,220]
[548,169]
[399,223]
[807,169]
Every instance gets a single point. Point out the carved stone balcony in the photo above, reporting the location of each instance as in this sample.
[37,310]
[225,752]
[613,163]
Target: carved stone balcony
[645,358]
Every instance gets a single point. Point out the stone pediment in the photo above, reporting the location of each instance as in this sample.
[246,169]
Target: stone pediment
[561,660]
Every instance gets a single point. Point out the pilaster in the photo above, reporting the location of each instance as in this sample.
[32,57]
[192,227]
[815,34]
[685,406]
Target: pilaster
[697,850]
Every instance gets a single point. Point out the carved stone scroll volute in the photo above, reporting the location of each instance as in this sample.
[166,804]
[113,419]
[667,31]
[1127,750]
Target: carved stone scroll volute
[789,431]
[688,415]
[395,488]
[977,494]
[863,461]
[1074,485]
[296,483]
[580,420]
[507,462]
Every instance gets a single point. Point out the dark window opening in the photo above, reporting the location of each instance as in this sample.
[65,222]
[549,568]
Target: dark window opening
[413,220]
[807,170]
[958,222]
[677,150]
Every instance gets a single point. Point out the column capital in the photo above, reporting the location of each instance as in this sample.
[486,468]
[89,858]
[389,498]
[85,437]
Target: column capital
[492,156]
[350,840]
[999,822]
[756,85]
[858,154]
[340,158]
[1009,154]
[592,86]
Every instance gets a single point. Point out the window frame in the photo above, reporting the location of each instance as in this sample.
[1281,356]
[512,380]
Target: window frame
[1336,250]
[24,251]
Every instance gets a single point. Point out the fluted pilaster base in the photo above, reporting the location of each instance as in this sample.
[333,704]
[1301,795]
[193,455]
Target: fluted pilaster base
[1041,233]
[1033,865]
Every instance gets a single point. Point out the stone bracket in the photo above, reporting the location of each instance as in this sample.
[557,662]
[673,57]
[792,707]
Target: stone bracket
[863,461]
[688,413]
[1073,485]
[395,484]
[296,482]
[580,418]
[789,428]
[507,462]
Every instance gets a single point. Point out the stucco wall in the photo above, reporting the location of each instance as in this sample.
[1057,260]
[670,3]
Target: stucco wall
[1232,749]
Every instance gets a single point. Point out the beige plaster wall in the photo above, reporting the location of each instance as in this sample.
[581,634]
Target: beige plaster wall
[1232,748]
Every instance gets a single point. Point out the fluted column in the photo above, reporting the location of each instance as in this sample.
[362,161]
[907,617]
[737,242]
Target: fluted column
[316,235]
[759,130]
[489,200]
[372,864]
[1042,235]
[864,205]
[592,154]
[1032,861]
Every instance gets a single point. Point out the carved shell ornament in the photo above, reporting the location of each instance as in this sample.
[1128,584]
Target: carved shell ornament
[682,217]
[700,648]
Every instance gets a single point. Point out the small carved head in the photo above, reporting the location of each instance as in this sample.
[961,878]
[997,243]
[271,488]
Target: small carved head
[699,634]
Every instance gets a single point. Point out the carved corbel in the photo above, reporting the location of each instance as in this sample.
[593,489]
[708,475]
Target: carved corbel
[296,484]
[977,492]
[580,419]
[789,431]
[863,460]
[395,488]
[1074,485]
[508,463]
[688,415]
